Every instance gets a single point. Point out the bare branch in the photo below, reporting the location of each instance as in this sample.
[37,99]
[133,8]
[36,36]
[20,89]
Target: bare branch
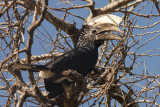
[109,8]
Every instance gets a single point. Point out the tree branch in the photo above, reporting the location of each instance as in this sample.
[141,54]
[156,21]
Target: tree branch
[108,9]
[30,30]
[57,22]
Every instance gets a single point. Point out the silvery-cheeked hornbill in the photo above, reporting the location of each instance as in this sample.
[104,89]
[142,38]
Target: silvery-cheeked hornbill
[81,59]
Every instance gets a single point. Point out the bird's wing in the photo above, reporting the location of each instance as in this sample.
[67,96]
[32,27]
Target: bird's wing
[78,59]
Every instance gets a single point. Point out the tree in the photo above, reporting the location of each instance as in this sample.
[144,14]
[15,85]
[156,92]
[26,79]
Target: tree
[126,73]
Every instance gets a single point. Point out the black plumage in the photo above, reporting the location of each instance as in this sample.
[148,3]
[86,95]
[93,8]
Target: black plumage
[81,59]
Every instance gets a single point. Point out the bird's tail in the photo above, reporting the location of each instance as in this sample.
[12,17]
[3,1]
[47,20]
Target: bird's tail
[33,67]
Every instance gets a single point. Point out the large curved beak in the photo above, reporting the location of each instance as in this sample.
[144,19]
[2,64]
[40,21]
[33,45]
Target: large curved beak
[103,32]
[107,37]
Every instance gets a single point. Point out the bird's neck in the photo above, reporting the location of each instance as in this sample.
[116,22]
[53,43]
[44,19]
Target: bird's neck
[90,46]
[83,42]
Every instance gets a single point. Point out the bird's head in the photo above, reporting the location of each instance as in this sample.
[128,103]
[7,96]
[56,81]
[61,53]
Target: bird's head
[98,30]
[97,34]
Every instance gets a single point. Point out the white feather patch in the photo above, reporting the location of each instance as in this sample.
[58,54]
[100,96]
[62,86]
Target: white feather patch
[46,74]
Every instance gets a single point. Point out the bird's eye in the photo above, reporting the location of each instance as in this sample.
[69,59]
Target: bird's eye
[94,31]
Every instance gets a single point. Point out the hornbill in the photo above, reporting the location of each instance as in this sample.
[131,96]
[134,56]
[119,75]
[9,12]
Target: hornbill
[81,59]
